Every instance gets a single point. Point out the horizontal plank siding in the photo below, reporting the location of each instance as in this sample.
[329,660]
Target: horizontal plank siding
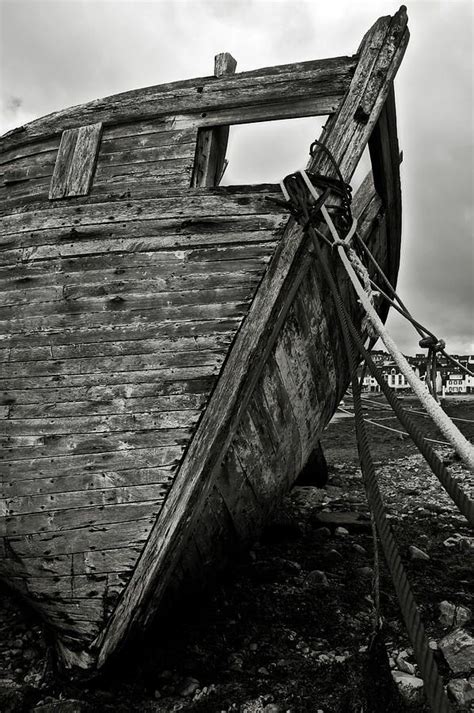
[112,334]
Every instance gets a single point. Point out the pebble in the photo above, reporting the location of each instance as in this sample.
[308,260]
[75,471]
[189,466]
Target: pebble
[417,554]
[458,650]
[189,687]
[452,615]
[358,548]
[235,662]
[323,532]
[365,572]
[334,556]
[341,531]
[404,665]
[317,578]
[460,542]
[410,687]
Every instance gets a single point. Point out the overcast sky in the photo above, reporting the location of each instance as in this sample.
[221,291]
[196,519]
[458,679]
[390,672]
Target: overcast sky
[57,53]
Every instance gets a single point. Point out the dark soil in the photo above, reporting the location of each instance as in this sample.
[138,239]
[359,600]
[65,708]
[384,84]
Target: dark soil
[289,627]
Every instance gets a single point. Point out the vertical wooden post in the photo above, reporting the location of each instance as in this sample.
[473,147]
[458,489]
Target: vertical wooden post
[209,164]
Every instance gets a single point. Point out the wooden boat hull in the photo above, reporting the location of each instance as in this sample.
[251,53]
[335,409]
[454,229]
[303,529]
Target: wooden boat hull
[170,355]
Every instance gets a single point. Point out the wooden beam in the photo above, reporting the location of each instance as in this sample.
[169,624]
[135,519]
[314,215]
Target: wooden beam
[211,145]
[347,134]
[325,80]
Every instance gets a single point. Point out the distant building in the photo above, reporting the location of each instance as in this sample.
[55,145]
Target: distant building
[450,379]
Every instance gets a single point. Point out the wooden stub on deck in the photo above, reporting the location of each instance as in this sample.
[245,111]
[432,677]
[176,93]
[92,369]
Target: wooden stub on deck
[75,162]
[211,145]
[224,63]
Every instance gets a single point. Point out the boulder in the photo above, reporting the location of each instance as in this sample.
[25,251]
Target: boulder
[458,650]
[461,690]
[452,615]
[417,554]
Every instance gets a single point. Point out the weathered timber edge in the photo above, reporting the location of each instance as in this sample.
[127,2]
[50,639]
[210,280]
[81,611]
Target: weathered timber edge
[325,81]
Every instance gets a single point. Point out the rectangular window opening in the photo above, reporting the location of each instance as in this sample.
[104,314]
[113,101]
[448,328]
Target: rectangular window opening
[266,152]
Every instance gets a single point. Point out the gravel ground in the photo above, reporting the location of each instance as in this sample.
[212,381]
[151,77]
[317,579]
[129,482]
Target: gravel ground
[289,626]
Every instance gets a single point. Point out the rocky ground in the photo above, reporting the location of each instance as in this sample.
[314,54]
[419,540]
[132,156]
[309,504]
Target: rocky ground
[289,628]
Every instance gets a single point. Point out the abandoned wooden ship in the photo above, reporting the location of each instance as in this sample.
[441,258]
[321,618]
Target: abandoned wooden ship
[169,357]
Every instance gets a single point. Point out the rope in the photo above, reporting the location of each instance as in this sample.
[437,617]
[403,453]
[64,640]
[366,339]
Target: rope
[352,264]
[424,656]
[463,502]
[412,410]
[394,430]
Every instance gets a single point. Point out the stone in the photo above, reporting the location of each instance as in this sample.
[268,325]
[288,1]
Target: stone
[461,690]
[355,521]
[458,650]
[323,532]
[365,572]
[316,578]
[403,665]
[410,687]
[452,615]
[334,556]
[235,662]
[341,531]
[417,554]
[464,543]
[359,549]
[189,687]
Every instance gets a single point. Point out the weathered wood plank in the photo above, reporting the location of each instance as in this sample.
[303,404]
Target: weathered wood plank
[99,424]
[138,315]
[181,264]
[320,79]
[134,280]
[58,410]
[103,462]
[112,536]
[50,503]
[156,285]
[76,160]
[165,155]
[61,522]
[130,137]
[137,346]
[116,364]
[58,187]
[104,380]
[99,478]
[101,394]
[198,204]
[180,228]
[32,150]
[84,160]
[84,443]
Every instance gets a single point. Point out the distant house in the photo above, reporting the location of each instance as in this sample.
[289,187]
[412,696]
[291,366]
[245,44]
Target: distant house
[458,382]
[392,375]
